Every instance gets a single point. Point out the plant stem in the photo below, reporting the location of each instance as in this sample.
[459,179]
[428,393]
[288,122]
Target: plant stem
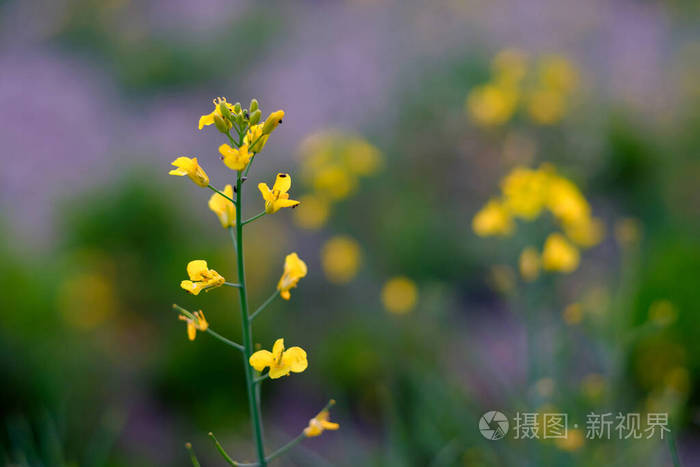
[674,451]
[286,447]
[231,284]
[193,458]
[224,340]
[214,189]
[257,216]
[269,300]
[247,337]
[221,450]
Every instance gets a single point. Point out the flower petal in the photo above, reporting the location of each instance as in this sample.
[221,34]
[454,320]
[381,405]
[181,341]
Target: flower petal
[294,358]
[261,359]
[265,191]
[277,349]
[283,183]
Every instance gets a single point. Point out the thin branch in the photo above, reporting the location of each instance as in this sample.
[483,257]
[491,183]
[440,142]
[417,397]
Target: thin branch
[189,315]
[214,189]
[193,457]
[231,284]
[270,299]
[257,216]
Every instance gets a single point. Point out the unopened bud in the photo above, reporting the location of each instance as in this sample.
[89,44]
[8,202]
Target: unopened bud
[221,124]
[272,121]
[237,107]
[255,116]
[253,105]
[223,108]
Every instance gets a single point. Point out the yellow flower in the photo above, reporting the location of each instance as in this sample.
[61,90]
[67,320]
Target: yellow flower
[196,324]
[559,255]
[320,423]
[315,213]
[208,119]
[361,157]
[201,277]
[235,159]
[491,104]
[546,106]
[399,295]
[341,257]
[223,208]
[524,192]
[529,264]
[586,233]
[493,219]
[294,269]
[272,121]
[662,312]
[509,66]
[277,198]
[280,361]
[573,441]
[558,73]
[255,139]
[566,201]
[191,168]
[334,182]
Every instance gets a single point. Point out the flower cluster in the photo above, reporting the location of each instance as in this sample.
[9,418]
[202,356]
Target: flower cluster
[247,135]
[543,91]
[526,194]
[333,163]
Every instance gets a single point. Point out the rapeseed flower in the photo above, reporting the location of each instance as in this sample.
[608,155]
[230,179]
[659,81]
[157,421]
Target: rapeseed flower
[224,208]
[199,323]
[210,118]
[280,361]
[559,255]
[341,257]
[493,219]
[294,270]
[201,277]
[525,192]
[274,119]
[529,264]
[315,213]
[319,423]
[191,168]
[255,138]
[492,104]
[235,159]
[399,295]
[277,198]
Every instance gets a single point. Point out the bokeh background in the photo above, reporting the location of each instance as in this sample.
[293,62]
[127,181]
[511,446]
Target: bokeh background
[398,130]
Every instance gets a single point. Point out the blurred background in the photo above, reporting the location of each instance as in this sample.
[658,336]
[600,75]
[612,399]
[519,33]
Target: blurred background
[402,120]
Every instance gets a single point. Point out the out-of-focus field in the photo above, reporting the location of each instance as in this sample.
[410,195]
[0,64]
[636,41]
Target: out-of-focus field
[403,121]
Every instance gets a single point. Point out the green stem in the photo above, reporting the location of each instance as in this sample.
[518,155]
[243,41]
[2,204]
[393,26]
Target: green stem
[286,447]
[250,164]
[262,378]
[231,284]
[257,216]
[270,299]
[247,334]
[674,451]
[193,458]
[221,450]
[214,189]
[188,314]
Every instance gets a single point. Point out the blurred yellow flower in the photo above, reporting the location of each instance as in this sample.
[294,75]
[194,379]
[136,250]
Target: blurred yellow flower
[196,324]
[566,201]
[525,191]
[573,441]
[559,255]
[493,219]
[294,270]
[280,361]
[546,106]
[492,104]
[529,264]
[274,119]
[399,295]
[573,314]
[593,386]
[223,208]
[277,198]
[662,312]
[191,168]
[334,182]
[361,157]
[235,159]
[255,139]
[320,423]
[315,213]
[558,73]
[509,66]
[201,277]
[585,233]
[341,257]
[87,299]
[208,119]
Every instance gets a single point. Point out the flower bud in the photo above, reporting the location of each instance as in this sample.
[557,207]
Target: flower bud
[225,112]
[255,117]
[253,105]
[237,108]
[272,121]
[221,124]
